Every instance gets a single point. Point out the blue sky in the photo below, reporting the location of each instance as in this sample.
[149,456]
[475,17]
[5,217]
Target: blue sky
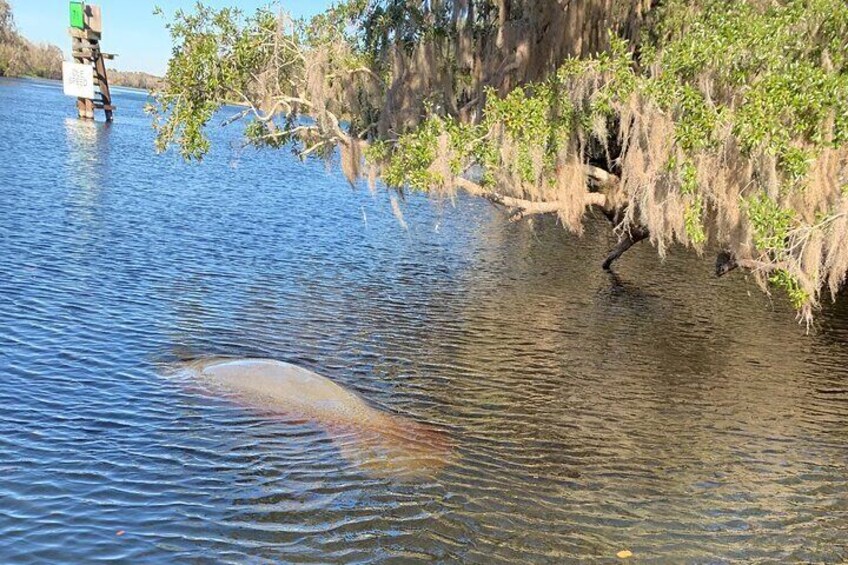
[129,27]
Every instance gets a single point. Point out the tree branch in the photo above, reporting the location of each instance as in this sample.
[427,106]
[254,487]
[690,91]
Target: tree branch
[522,207]
[235,117]
[600,176]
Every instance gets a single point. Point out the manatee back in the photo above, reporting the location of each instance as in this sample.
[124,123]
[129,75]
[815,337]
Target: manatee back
[287,388]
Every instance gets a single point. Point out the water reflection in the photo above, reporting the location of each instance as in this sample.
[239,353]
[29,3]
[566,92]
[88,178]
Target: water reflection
[88,147]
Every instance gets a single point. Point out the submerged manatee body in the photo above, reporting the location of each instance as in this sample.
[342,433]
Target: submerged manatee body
[380,443]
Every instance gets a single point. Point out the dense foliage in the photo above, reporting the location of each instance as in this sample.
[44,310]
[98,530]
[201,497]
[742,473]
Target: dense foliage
[710,123]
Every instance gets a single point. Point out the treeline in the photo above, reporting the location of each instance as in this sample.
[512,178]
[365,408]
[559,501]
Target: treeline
[134,79]
[21,57]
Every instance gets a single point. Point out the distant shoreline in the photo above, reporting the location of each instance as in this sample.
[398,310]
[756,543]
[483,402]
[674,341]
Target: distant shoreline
[58,82]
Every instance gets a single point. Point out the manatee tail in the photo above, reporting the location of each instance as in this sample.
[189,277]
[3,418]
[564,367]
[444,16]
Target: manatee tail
[398,447]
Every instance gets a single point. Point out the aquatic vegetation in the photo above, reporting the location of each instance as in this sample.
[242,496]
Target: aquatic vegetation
[711,124]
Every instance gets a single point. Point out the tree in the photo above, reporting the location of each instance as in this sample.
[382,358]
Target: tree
[18,56]
[7,22]
[690,122]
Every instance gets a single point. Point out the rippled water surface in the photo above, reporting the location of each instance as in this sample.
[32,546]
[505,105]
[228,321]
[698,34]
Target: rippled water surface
[684,418]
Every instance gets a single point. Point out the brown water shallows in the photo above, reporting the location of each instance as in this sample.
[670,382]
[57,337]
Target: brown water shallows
[380,443]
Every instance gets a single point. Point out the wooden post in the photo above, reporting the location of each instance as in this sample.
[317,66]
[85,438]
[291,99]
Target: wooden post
[105,95]
[85,49]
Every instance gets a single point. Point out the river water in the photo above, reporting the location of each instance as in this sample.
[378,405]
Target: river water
[683,418]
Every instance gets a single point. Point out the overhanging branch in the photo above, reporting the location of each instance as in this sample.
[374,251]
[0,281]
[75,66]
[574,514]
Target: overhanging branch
[522,207]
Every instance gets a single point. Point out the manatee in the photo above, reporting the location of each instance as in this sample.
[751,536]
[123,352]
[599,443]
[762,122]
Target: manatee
[380,443]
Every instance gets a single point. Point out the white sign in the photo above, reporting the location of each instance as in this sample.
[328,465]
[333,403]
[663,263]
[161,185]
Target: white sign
[78,79]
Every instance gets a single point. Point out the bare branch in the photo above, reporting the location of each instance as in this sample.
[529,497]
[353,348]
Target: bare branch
[600,176]
[305,153]
[235,117]
[525,207]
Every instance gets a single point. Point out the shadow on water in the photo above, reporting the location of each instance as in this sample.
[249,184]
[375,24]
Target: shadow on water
[620,292]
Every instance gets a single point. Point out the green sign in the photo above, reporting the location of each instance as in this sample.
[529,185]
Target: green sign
[77,19]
